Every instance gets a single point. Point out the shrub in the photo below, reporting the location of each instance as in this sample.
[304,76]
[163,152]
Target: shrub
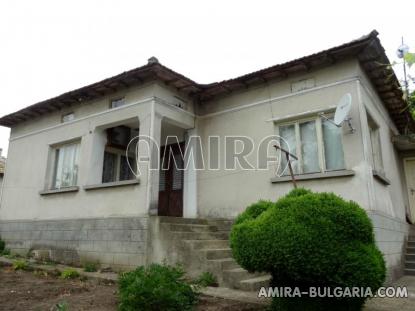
[206,279]
[2,246]
[69,273]
[20,264]
[311,239]
[156,287]
[90,267]
[5,252]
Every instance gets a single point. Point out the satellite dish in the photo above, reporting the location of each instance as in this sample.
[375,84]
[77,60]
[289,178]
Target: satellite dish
[343,109]
[402,50]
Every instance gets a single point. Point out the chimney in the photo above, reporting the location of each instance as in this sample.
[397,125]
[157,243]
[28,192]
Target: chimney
[153,60]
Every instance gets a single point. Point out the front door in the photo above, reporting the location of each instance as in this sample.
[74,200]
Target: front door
[171,181]
[410,182]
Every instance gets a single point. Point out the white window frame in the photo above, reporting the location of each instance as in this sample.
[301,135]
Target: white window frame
[115,100]
[320,142]
[55,160]
[68,117]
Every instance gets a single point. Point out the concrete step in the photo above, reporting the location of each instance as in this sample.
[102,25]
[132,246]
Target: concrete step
[410,257]
[409,271]
[181,220]
[223,264]
[410,244]
[221,224]
[233,277]
[208,244]
[255,284]
[411,237]
[410,264]
[220,235]
[218,253]
[410,250]
[191,228]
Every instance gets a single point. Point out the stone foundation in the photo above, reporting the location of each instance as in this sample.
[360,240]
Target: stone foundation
[117,242]
[391,235]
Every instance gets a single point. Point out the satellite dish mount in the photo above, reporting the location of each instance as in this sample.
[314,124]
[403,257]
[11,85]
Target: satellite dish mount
[342,111]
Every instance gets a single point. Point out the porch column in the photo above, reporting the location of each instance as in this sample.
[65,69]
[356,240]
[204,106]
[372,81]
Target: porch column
[150,126]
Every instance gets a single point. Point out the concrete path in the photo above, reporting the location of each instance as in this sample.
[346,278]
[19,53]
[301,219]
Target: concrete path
[399,304]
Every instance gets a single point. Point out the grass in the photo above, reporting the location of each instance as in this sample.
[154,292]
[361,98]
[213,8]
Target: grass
[206,279]
[20,264]
[69,273]
[90,267]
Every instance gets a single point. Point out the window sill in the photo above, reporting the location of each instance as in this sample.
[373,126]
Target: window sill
[381,177]
[112,184]
[332,174]
[61,190]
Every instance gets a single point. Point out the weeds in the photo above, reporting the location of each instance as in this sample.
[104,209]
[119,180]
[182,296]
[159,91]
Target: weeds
[69,273]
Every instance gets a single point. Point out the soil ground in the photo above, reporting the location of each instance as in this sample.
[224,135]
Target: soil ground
[25,290]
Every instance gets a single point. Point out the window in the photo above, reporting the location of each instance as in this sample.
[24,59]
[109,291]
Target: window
[66,166]
[317,143]
[377,162]
[115,103]
[68,117]
[116,167]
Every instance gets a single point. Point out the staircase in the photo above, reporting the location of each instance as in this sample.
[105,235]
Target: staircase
[410,254]
[203,245]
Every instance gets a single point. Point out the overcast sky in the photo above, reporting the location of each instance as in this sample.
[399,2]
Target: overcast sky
[50,47]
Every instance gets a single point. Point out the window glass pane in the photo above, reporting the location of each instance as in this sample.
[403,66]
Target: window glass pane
[68,117]
[66,166]
[309,147]
[117,102]
[288,142]
[333,148]
[125,170]
[109,168]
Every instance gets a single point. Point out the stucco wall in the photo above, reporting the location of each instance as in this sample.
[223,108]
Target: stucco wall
[234,190]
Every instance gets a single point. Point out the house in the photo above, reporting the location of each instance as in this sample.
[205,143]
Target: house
[72,190]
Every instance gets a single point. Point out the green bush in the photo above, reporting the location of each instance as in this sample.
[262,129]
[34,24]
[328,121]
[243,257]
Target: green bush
[69,273]
[20,264]
[156,287]
[206,279]
[310,239]
[2,246]
[90,267]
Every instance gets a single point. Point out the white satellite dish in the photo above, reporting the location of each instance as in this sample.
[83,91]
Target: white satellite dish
[343,109]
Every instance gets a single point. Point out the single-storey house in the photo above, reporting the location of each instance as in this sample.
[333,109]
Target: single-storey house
[72,191]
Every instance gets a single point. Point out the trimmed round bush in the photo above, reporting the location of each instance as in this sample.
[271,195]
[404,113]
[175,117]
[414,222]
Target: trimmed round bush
[310,239]
[156,287]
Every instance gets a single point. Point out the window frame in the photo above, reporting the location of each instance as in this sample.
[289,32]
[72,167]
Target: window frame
[55,161]
[66,115]
[119,153]
[376,159]
[320,143]
[112,100]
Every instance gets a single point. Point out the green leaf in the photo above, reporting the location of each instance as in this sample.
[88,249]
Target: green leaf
[410,58]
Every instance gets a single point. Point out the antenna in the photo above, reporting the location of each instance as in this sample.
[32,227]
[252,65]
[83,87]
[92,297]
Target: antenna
[402,50]
[342,111]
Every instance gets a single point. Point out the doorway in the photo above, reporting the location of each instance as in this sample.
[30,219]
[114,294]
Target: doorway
[171,181]
[409,166]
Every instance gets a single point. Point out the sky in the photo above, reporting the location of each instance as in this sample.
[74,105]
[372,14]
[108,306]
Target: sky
[50,47]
